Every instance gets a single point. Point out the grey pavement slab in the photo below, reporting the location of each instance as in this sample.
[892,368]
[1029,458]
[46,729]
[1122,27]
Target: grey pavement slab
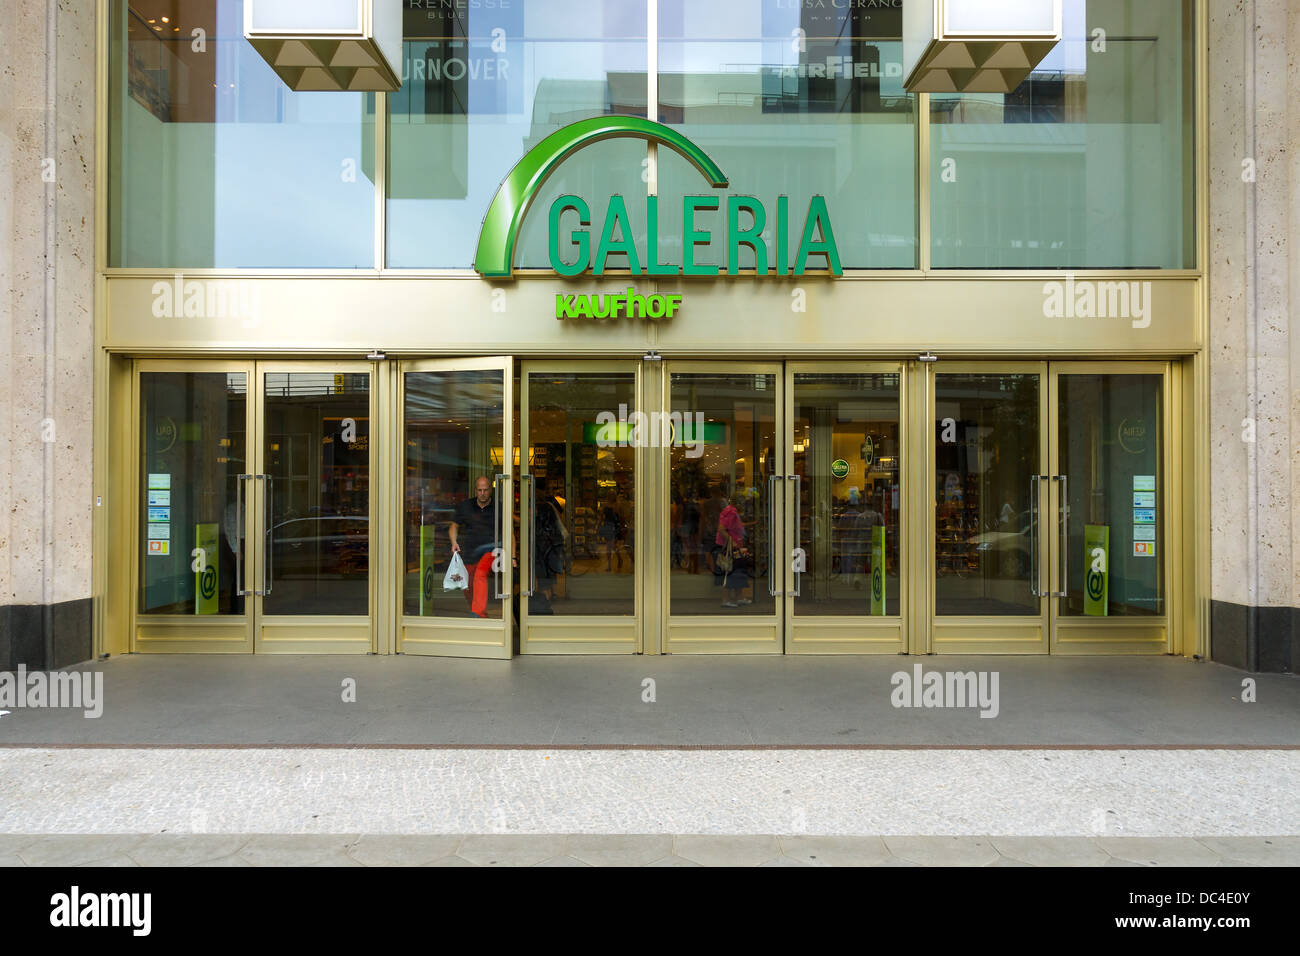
[710,701]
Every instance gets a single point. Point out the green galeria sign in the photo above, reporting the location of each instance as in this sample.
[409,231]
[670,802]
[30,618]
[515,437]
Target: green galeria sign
[739,221]
[1096,575]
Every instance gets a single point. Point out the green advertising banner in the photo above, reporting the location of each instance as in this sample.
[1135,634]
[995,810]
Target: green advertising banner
[428,576]
[1096,563]
[205,573]
[878,569]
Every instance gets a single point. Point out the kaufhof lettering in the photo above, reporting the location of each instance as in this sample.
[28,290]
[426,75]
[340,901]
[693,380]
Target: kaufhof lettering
[745,220]
[629,304]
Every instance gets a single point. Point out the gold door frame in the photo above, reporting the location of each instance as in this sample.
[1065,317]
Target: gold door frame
[860,634]
[319,633]
[981,634]
[579,634]
[1112,635]
[453,637]
[715,633]
[185,633]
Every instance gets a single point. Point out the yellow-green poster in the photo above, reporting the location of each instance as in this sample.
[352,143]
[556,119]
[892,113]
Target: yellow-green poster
[428,576]
[878,569]
[206,568]
[1096,564]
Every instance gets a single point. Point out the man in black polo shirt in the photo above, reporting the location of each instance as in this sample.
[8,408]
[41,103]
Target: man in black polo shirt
[473,534]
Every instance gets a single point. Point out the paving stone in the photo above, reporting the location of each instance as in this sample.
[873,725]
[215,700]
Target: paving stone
[1255,851]
[1159,851]
[600,849]
[11,859]
[233,860]
[74,849]
[389,849]
[943,850]
[511,849]
[1052,851]
[1113,861]
[450,861]
[117,859]
[836,850]
[185,849]
[785,861]
[563,861]
[673,860]
[297,849]
[708,850]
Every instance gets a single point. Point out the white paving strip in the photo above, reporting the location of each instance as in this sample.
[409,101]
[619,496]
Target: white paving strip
[941,792]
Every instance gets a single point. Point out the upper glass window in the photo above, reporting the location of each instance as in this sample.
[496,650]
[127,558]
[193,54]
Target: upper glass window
[216,163]
[1088,163]
[793,99]
[482,83]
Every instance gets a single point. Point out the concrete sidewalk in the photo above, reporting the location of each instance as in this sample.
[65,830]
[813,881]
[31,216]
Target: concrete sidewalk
[637,850]
[698,701]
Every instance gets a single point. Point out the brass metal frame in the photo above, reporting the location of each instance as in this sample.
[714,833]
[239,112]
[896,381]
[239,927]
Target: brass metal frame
[583,634]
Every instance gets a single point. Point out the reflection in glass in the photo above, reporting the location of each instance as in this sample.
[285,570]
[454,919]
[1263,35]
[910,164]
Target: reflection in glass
[318,456]
[986,449]
[217,163]
[192,444]
[484,83]
[846,452]
[1088,163]
[824,113]
[1110,449]
[583,536]
[454,426]
[719,493]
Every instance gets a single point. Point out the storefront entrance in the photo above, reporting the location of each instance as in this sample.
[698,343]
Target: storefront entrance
[482,507]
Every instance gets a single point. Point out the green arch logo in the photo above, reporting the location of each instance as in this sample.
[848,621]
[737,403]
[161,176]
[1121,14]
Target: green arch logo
[496,240]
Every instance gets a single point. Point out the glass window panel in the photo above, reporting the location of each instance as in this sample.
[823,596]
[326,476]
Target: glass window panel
[584,525]
[796,100]
[318,456]
[192,444]
[719,491]
[454,427]
[986,449]
[1087,164]
[1111,453]
[216,163]
[848,456]
[483,84]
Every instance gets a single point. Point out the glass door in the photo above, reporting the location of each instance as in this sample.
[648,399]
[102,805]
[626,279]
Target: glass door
[1110,549]
[458,561]
[192,555]
[844,508]
[723,556]
[989,539]
[311,501]
[580,507]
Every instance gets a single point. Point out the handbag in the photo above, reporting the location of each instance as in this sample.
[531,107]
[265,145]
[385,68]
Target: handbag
[726,560]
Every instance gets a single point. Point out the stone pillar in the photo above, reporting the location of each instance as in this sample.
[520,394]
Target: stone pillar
[47,223]
[1254,354]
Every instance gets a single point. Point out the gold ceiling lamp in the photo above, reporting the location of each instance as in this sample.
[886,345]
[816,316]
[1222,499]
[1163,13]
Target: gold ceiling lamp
[976,46]
[329,45]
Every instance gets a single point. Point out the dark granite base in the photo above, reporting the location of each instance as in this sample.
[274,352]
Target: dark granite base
[22,634]
[1260,639]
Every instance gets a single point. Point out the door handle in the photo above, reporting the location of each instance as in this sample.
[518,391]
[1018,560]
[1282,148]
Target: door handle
[772,589]
[529,521]
[269,573]
[240,590]
[497,513]
[798,530]
[1035,494]
[1063,519]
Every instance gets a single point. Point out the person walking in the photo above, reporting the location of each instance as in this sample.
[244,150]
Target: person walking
[731,539]
[473,533]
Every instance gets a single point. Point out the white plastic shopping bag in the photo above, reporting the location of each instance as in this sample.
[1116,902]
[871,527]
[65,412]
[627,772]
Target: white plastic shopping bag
[457,578]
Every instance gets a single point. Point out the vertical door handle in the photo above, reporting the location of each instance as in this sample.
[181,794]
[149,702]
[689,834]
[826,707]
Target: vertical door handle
[270,530]
[772,589]
[798,530]
[1063,519]
[498,514]
[1035,492]
[240,590]
[529,521]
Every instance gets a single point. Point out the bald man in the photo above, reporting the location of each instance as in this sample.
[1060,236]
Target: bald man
[473,533]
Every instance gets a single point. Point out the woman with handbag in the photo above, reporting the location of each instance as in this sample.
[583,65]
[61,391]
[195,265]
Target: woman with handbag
[733,560]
